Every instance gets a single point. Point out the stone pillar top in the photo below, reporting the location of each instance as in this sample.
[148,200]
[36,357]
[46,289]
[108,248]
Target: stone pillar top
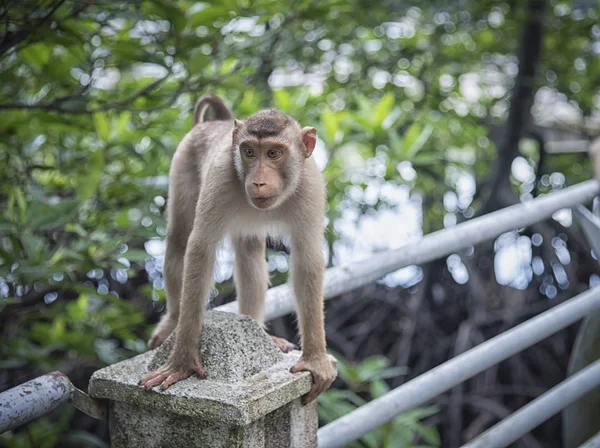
[247,375]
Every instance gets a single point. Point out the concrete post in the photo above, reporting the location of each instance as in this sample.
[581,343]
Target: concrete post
[249,399]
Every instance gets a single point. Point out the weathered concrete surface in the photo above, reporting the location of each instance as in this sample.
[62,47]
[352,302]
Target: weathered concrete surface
[249,398]
[293,426]
[233,348]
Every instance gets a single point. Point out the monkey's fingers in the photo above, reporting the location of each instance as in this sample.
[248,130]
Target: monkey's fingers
[321,379]
[151,375]
[199,369]
[154,342]
[283,345]
[155,378]
[300,366]
[173,378]
[312,395]
[318,388]
[160,333]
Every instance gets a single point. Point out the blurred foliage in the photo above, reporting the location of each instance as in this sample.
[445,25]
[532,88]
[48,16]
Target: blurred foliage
[366,381]
[95,96]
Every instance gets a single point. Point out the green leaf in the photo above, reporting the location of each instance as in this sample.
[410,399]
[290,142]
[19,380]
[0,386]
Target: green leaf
[364,105]
[371,367]
[19,198]
[78,309]
[229,65]
[136,255]
[52,216]
[429,434]
[396,145]
[37,54]
[167,10]
[383,108]
[123,122]
[208,16]
[378,388]
[249,100]
[427,159]
[282,99]
[102,126]
[400,436]
[486,37]
[32,246]
[330,124]
[393,372]
[57,330]
[89,183]
[57,256]
[77,229]
[17,206]
[414,415]
[415,143]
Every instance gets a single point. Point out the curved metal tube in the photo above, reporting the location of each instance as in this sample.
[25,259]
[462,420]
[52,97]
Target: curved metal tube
[37,397]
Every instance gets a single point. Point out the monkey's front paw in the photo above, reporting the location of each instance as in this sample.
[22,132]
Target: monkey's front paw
[168,375]
[162,331]
[283,345]
[323,374]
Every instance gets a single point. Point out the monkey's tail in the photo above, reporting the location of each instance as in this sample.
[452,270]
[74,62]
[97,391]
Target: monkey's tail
[222,112]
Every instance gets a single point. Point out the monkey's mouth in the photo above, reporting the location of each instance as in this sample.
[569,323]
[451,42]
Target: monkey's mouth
[264,202]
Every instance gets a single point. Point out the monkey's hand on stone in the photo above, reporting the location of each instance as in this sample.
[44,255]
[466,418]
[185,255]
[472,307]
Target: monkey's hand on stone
[323,374]
[284,345]
[177,368]
[162,331]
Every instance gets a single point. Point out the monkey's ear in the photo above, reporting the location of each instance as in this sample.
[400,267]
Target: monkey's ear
[309,138]
[235,134]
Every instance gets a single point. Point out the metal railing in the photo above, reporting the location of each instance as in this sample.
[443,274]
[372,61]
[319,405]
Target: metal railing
[342,279]
[37,397]
[594,442]
[539,410]
[466,365]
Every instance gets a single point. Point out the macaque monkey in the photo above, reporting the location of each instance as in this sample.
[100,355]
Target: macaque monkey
[244,180]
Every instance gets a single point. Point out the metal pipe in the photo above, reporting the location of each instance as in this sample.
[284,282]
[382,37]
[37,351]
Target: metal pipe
[468,364]
[39,396]
[539,410]
[594,442]
[342,279]
[33,399]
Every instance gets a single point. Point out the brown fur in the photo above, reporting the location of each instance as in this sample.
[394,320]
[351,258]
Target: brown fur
[268,123]
[218,190]
[220,110]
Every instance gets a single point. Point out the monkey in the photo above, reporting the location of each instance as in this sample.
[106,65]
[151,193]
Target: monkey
[245,180]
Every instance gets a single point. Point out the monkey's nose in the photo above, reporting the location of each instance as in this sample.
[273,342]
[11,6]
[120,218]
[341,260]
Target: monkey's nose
[258,185]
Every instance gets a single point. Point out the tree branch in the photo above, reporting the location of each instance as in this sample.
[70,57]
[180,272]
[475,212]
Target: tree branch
[500,190]
[10,40]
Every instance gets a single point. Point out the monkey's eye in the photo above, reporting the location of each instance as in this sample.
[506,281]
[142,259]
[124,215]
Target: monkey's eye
[274,153]
[248,152]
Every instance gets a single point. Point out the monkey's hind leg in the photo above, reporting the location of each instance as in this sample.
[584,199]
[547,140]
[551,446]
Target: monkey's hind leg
[251,275]
[183,195]
[251,278]
[173,272]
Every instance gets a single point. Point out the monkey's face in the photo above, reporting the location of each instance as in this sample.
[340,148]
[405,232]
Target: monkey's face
[267,171]
[269,153]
